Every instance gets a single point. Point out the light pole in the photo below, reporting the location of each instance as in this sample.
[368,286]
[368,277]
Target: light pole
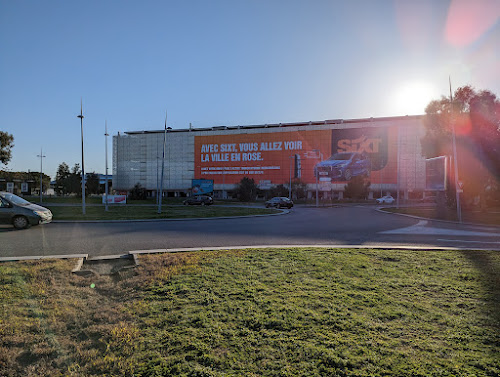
[320,156]
[41,174]
[83,167]
[163,163]
[290,185]
[455,158]
[106,152]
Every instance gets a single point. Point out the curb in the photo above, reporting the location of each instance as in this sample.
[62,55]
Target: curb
[38,257]
[283,212]
[136,253]
[492,227]
[377,247]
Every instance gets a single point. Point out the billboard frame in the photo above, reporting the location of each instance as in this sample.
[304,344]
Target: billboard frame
[445,175]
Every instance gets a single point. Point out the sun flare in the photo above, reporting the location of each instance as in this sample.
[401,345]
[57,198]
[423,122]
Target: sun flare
[412,98]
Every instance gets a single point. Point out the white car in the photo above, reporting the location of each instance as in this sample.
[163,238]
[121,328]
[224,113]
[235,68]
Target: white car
[385,199]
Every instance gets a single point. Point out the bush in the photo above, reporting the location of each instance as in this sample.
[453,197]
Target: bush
[247,190]
[138,192]
[357,188]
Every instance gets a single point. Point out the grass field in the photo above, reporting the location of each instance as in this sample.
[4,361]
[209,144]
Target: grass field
[127,212]
[287,312]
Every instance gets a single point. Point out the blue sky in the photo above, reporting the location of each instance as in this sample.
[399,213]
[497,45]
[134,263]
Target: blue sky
[226,63]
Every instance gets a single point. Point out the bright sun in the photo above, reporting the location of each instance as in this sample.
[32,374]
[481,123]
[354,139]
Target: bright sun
[412,98]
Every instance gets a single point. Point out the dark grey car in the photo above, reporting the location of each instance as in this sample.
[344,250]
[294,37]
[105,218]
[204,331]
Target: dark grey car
[21,213]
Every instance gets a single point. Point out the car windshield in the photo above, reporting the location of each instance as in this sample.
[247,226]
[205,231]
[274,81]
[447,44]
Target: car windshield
[15,199]
[341,156]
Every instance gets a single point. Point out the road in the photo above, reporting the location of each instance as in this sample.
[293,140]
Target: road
[357,225]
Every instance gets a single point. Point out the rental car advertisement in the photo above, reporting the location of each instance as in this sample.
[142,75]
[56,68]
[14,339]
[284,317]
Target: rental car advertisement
[334,156]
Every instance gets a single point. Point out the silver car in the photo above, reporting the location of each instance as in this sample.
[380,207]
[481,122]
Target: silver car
[21,213]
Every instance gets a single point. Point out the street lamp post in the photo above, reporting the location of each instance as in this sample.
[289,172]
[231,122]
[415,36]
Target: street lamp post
[41,174]
[106,177]
[455,158]
[163,163]
[320,156]
[83,167]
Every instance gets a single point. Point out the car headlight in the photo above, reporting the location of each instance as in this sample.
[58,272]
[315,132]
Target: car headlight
[42,214]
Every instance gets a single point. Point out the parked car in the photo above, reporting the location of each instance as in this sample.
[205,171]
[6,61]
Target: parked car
[279,202]
[200,200]
[21,213]
[343,166]
[388,199]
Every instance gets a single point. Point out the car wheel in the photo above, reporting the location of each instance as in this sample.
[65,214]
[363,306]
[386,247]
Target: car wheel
[20,222]
[202,203]
[347,174]
[267,205]
[185,203]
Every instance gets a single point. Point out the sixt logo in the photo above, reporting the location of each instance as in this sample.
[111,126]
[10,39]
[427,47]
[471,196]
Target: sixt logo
[360,145]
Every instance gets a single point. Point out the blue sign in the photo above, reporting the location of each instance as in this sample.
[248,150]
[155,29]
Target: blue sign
[202,186]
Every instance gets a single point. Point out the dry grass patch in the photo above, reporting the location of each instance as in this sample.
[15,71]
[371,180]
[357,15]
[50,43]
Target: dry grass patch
[295,312]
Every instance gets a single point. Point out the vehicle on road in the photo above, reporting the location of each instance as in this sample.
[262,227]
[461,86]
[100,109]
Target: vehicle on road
[388,199]
[343,166]
[279,202]
[21,213]
[200,200]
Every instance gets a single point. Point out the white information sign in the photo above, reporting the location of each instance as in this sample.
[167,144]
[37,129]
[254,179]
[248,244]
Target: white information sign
[113,199]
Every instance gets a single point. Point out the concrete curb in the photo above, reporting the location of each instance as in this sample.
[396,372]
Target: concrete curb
[283,212]
[378,247]
[38,257]
[136,253]
[484,226]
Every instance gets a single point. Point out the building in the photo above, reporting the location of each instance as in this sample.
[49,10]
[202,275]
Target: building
[324,154]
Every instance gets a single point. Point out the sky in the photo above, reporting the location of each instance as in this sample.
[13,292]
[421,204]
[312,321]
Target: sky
[214,63]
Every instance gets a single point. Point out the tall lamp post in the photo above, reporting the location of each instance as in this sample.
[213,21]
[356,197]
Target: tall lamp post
[455,158]
[163,163]
[320,156]
[83,167]
[106,151]
[41,174]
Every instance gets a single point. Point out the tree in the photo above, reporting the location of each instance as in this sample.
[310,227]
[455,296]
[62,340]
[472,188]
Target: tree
[357,188]
[476,117]
[138,192]
[68,182]
[92,183]
[247,189]
[62,176]
[279,190]
[6,144]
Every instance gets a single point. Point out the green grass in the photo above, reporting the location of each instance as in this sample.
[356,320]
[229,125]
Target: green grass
[127,212]
[482,217]
[289,312]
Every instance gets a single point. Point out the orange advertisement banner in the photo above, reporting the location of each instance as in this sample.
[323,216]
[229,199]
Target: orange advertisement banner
[272,158]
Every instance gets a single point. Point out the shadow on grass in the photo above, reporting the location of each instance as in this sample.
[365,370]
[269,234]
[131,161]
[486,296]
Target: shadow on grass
[490,273]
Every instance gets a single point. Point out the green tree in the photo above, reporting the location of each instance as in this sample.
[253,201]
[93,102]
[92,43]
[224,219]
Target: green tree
[279,190]
[247,190]
[357,188]
[138,192]
[92,183]
[68,181]
[6,144]
[62,177]
[476,117]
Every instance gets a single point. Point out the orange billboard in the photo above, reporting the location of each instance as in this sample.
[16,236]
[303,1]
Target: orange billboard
[272,158]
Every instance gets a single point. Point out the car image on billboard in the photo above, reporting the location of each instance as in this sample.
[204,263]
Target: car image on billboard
[343,166]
